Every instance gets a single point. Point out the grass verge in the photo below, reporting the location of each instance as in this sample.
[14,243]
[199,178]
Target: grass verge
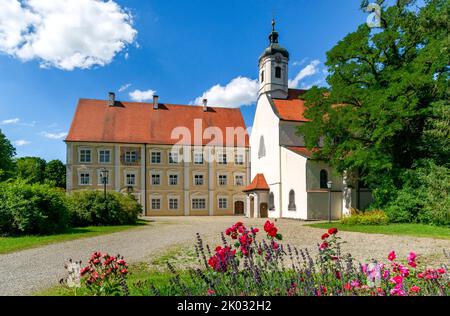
[13,244]
[415,230]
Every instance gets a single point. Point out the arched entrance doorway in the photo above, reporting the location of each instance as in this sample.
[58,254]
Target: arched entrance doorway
[263,210]
[252,206]
[239,208]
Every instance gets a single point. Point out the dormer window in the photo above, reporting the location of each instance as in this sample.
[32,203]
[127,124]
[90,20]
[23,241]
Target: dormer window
[277,72]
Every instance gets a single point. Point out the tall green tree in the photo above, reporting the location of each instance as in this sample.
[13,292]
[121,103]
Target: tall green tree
[31,169]
[386,108]
[7,152]
[55,172]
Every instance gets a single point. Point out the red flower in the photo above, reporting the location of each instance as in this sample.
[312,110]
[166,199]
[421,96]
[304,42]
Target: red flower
[415,289]
[332,231]
[85,270]
[324,245]
[347,287]
[392,256]
[338,275]
[325,236]
[440,271]
[270,229]
[124,271]
[211,292]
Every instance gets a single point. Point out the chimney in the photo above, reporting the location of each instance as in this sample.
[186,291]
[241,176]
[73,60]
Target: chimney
[111,99]
[155,102]
[205,105]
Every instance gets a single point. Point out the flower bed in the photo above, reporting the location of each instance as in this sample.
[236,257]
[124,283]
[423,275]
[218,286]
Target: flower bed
[246,265]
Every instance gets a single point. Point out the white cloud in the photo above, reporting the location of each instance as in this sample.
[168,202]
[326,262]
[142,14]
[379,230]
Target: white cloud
[54,135]
[21,142]
[238,92]
[309,70]
[10,121]
[141,96]
[65,34]
[124,87]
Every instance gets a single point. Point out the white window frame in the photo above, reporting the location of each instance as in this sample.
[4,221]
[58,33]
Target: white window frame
[237,161]
[196,153]
[171,174]
[219,181]
[220,158]
[89,173]
[99,156]
[219,198]
[176,198]
[235,179]
[84,149]
[126,156]
[198,174]
[156,173]
[156,152]
[170,157]
[125,178]
[199,198]
[156,198]
[99,178]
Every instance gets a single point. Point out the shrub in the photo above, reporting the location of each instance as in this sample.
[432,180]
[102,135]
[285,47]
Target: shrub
[424,197]
[32,209]
[90,208]
[374,217]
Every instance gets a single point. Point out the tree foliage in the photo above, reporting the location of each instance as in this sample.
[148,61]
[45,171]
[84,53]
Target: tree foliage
[55,172]
[31,169]
[7,152]
[387,106]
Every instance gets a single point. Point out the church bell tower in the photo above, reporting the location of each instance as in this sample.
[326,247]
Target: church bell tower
[273,68]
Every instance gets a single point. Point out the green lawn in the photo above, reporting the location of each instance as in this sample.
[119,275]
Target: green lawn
[12,244]
[416,230]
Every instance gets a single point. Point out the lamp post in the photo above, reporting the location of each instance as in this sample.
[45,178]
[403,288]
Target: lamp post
[104,177]
[329,185]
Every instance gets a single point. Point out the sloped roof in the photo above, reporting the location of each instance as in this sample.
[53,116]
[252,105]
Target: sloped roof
[292,108]
[139,123]
[303,151]
[258,183]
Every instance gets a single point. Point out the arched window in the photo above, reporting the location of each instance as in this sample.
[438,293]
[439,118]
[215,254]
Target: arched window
[291,206]
[262,148]
[262,76]
[323,179]
[271,201]
[277,72]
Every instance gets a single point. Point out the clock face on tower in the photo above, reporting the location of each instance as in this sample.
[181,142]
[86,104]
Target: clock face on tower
[278,59]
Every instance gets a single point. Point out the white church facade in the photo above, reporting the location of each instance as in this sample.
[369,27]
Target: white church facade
[287,182]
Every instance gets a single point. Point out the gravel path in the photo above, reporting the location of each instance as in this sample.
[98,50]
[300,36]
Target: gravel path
[28,271]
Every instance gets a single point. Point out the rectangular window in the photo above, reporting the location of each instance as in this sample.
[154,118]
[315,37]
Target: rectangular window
[173,158]
[198,204]
[156,157]
[156,204]
[101,179]
[173,203]
[130,179]
[223,203]
[104,156]
[156,179]
[223,179]
[239,180]
[198,179]
[173,179]
[131,156]
[198,158]
[239,159]
[222,159]
[85,179]
[85,155]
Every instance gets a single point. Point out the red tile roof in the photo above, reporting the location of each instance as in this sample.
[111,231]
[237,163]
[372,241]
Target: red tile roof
[139,123]
[292,108]
[258,183]
[305,152]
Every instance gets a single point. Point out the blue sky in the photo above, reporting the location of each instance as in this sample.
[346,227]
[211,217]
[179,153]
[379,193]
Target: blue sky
[180,49]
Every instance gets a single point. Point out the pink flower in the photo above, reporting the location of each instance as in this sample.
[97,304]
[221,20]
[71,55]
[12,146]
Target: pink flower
[412,256]
[403,270]
[392,256]
[398,290]
[397,280]
[211,292]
